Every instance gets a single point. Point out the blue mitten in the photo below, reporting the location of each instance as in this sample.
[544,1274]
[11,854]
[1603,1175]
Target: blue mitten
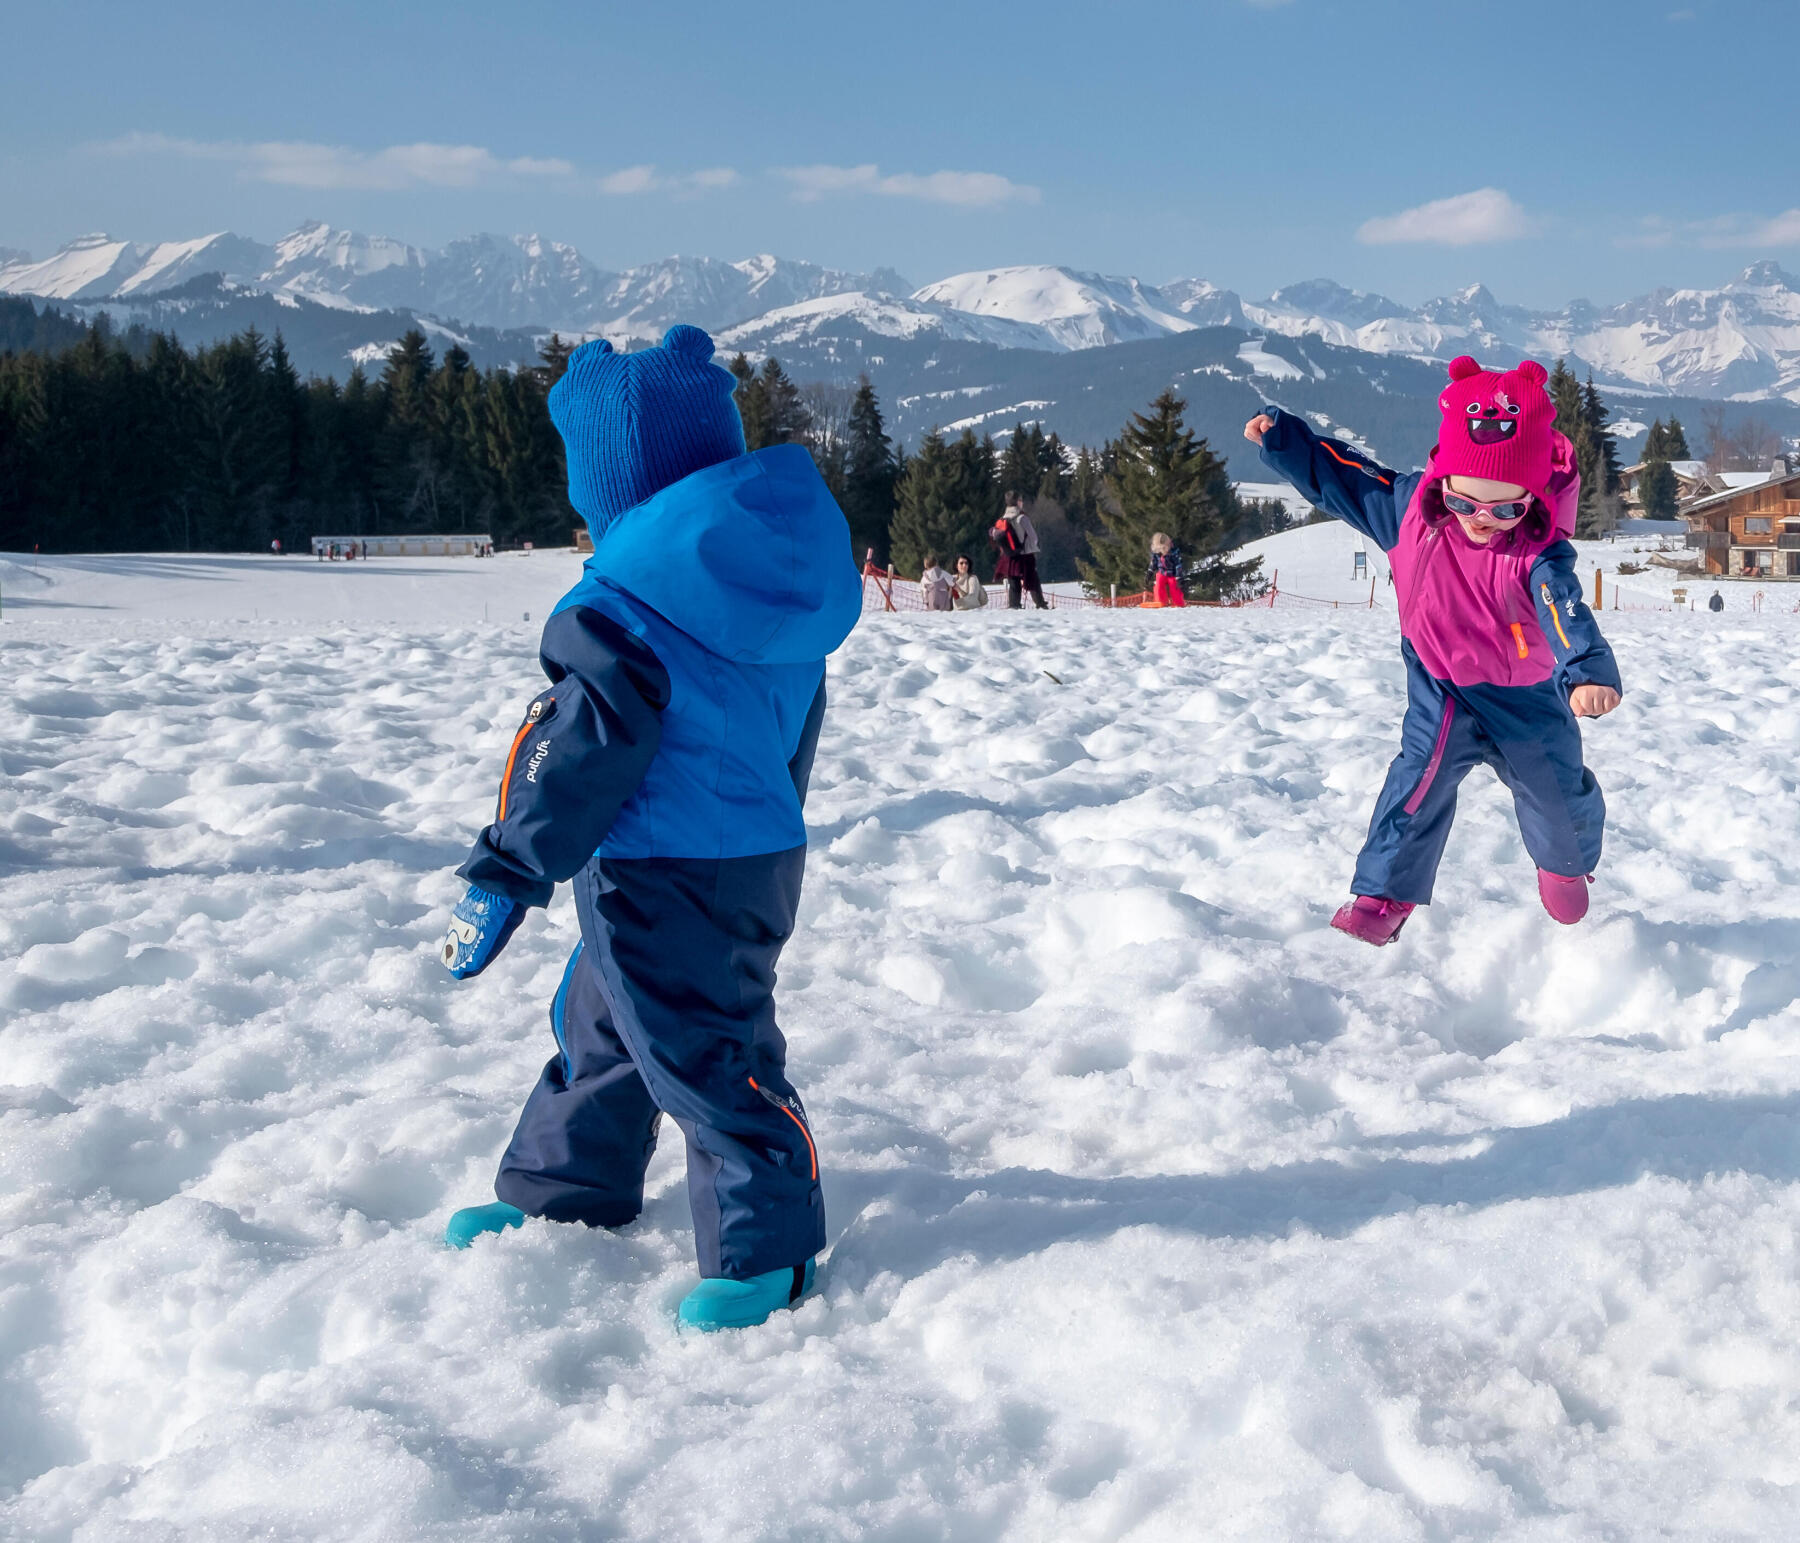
[479,928]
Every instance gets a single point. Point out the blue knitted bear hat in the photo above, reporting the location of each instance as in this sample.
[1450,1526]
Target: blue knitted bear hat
[633,424]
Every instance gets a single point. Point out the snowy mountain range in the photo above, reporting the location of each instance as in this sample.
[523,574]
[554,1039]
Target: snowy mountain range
[488,281]
[1740,341]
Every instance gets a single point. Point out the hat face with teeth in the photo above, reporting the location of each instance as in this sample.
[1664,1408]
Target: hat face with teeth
[1497,425]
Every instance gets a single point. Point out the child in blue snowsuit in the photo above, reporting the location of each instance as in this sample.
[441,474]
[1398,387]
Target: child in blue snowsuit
[664,770]
[1502,654]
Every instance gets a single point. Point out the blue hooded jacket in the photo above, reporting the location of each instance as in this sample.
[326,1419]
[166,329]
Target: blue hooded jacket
[687,681]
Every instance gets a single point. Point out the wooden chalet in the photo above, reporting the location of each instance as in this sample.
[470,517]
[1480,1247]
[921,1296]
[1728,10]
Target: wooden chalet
[1690,482]
[1749,532]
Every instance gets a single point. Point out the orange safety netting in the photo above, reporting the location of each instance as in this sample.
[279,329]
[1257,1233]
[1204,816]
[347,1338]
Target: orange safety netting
[886,590]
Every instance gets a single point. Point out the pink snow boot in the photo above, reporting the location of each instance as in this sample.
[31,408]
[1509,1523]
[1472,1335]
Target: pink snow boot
[1564,898]
[1373,919]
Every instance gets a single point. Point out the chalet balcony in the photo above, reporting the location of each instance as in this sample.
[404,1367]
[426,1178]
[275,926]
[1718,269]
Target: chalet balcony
[1788,541]
[1706,538]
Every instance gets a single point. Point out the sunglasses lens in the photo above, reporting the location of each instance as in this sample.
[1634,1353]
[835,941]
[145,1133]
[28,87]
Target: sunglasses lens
[1504,513]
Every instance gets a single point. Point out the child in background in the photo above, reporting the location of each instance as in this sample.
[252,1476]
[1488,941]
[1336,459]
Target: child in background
[935,583]
[664,770]
[1165,571]
[967,591]
[1502,654]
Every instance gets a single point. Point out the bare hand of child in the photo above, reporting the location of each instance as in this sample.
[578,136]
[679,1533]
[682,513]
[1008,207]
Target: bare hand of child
[1593,701]
[1257,427]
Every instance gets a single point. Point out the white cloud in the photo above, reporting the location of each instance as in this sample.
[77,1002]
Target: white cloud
[632,179]
[1751,230]
[1721,232]
[1468,219]
[647,179]
[299,163]
[966,189]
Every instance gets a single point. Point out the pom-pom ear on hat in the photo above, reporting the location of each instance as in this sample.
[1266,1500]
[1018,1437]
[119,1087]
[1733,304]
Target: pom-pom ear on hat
[689,342]
[1462,367]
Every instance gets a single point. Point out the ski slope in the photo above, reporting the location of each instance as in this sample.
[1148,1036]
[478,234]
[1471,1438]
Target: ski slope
[1158,1209]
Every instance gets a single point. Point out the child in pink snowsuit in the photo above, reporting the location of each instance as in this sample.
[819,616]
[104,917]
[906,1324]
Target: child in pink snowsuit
[1165,571]
[1502,654]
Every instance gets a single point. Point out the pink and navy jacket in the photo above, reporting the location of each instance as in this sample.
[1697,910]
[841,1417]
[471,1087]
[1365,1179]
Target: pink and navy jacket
[1509,613]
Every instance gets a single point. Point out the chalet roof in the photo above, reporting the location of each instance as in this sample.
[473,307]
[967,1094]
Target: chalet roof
[1739,482]
[1693,471]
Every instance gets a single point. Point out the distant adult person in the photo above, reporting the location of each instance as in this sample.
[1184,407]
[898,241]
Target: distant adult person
[967,592]
[275,547]
[1017,539]
[934,582]
[1717,603]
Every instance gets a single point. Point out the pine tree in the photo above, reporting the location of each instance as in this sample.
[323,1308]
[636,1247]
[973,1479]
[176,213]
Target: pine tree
[553,360]
[769,403]
[1169,480]
[1582,416]
[945,502]
[1606,448]
[870,472]
[788,419]
[1658,491]
[752,401]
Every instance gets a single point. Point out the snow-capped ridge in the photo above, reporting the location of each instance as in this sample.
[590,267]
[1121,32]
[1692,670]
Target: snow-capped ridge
[1080,310]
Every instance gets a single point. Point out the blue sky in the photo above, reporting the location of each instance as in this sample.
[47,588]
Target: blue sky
[1589,147]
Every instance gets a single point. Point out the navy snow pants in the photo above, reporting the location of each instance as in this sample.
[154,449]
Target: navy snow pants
[1530,738]
[667,1007]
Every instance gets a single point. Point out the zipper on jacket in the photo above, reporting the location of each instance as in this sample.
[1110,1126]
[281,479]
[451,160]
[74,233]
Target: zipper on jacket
[1555,616]
[1437,758]
[540,711]
[786,1106]
[1519,642]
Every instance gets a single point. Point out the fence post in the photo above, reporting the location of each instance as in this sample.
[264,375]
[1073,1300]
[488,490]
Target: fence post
[1115,597]
[1597,604]
[1371,591]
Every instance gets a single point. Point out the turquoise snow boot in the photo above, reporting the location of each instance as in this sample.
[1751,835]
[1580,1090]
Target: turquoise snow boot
[472,1220]
[738,1304]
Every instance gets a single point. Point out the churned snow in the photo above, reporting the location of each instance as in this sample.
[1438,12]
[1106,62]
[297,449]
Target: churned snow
[1158,1209]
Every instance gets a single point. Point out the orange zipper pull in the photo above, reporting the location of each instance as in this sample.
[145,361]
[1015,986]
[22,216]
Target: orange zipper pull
[1518,633]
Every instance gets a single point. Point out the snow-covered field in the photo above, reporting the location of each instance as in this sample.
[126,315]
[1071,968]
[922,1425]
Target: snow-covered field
[1159,1210]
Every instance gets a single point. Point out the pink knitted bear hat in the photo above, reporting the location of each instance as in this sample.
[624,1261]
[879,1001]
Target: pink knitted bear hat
[1497,425]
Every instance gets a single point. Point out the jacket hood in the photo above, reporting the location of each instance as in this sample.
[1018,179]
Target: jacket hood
[750,557]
